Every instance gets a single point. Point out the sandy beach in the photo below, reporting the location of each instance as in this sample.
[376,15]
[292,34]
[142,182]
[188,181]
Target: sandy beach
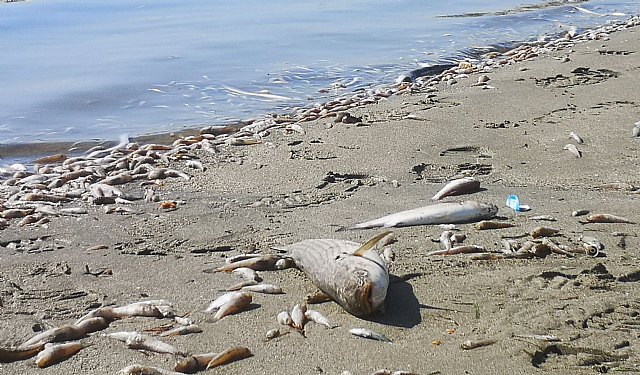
[551,314]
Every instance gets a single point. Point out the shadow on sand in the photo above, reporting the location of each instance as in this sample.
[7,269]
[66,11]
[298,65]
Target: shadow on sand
[402,308]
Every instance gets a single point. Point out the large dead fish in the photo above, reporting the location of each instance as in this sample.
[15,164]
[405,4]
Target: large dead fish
[354,277]
[439,213]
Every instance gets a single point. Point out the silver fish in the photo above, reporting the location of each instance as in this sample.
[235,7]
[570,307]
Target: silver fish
[459,186]
[369,334]
[354,277]
[440,213]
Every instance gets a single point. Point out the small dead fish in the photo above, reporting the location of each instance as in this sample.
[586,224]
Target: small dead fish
[233,306]
[576,138]
[14,213]
[147,370]
[574,150]
[241,284]
[284,318]
[161,173]
[54,353]
[465,185]
[68,332]
[439,213]
[469,344]
[272,334]
[39,197]
[547,338]
[182,330]
[263,288]
[195,165]
[261,263]
[579,213]
[298,318]
[194,363]
[18,354]
[139,341]
[368,334]
[607,218]
[232,141]
[117,179]
[220,301]
[544,232]
[464,249]
[233,354]
[486,224]
[445,239]
[247,273]
[543,218]
[317,317]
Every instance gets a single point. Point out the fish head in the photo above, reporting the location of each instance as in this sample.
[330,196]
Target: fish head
[369,293]
[489,209]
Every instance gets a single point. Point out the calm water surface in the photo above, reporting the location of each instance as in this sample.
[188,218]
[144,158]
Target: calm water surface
[90,69]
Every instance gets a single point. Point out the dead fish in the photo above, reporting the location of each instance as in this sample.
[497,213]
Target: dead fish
[576,138]
[161,173]
[220,301]
[465,185]
[486,224]
[182,330]
[53,198]
[14,213]
[117,179]
[607,218]
[152,309]
[369,334]
[464,249]
[317,317]
[241,284]
[544,232]
[18,354]
[273,333]
[574,150]
[233,306]
[54,353]
[194,363]
[445,239]
[233,354]
[467,345]
[261,263]
[247,274]
[147,370]
[284,318]
[139,341]
[354,277]
[298,318]
[543,218]
[440,213]
[68,332]
[263,288]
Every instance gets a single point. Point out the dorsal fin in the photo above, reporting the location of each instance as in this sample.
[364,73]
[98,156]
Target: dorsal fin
[370,244]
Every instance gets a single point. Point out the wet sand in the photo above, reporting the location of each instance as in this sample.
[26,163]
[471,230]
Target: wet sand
[511,136]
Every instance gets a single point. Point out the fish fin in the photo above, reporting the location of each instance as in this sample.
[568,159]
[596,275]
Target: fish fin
[371,243]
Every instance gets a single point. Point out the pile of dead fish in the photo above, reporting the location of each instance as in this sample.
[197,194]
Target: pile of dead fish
[60,343]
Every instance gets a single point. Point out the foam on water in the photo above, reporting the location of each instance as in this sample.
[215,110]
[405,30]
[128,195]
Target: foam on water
[88,69]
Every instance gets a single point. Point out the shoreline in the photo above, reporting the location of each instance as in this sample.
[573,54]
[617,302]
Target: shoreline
[26,153]
[284,183]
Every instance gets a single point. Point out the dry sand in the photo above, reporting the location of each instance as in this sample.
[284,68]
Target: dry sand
[511,137]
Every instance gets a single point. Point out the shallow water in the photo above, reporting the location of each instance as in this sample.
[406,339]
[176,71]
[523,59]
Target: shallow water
[87,69]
